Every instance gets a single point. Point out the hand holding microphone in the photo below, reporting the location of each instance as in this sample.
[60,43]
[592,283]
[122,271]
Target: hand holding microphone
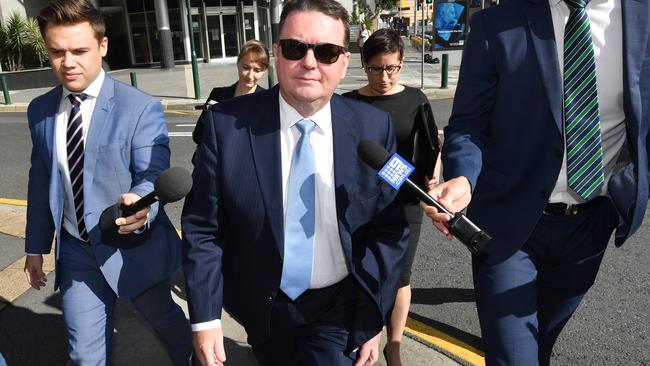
[393,170]
[131,223]
[172,185]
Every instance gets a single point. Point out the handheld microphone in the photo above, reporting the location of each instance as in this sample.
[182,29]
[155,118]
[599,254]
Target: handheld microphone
[463,228]
[172,185]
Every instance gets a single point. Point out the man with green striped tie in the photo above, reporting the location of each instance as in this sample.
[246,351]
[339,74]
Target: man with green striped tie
[547,147]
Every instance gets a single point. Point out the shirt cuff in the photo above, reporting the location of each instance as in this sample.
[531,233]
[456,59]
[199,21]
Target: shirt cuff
[144,228]
[206,325]
[32,254]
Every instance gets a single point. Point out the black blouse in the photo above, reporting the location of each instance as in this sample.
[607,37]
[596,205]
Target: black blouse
[217,95]
[406,110]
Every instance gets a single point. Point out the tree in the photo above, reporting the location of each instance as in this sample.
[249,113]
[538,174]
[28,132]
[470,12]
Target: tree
[15,40]
[355,14]
[380,5]
[17,36]
[384,5]
[36,42]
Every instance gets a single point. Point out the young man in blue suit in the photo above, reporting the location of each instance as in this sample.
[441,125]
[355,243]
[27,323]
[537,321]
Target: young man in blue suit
[548,140]
[97,141]
[286,227]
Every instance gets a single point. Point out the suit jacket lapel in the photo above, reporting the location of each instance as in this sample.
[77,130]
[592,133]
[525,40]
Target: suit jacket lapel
[55,189]
[636,27]
[98,122]
[265,144]
[345,140]
[540,23]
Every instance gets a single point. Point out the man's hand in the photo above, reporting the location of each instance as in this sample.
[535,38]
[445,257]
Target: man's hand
[127,225]
[208,347]
[368,353]
[454,195]
[34,271]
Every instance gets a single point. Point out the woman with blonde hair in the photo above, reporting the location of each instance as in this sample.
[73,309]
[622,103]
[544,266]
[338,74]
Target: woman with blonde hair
[252,63]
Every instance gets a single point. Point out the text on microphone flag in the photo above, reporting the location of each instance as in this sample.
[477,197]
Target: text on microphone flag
[396,171]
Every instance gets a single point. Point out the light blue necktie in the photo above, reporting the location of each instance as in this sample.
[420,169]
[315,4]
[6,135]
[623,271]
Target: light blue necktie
[300,217]
[585,171]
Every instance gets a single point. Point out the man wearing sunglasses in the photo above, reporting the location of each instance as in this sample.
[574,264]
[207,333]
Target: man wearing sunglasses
[286,227]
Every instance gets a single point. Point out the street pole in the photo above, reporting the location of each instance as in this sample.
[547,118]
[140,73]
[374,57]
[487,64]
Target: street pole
[165,34]
[422,61]
[276,11]
[195,67]
[415,17]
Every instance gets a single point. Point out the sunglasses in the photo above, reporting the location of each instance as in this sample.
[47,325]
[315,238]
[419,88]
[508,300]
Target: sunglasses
[325,53]
[377,70]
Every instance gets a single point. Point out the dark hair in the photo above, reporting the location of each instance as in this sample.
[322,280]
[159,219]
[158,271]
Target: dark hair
[71,12]
[331,8]
[258,49]
[382,41]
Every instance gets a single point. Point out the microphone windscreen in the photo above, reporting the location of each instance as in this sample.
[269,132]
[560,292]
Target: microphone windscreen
[373,154]
[173,184]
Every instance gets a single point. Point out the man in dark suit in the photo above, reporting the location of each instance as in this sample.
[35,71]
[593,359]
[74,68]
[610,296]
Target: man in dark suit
[548,139]
[97,141]
[286,227]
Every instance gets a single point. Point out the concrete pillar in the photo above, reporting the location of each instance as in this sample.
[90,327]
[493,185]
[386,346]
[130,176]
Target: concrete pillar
[164,35]
[276,11]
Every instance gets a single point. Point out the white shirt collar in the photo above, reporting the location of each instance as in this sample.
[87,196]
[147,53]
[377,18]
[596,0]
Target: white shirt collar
[93,89]
[289,116]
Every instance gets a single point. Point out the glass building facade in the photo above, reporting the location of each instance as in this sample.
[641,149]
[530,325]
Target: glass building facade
[219,27]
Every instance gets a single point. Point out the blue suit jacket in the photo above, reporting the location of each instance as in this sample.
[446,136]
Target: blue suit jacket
[233,220]
[126,149]
[505,134]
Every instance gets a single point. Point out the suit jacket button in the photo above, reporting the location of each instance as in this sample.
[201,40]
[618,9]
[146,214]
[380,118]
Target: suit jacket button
[269,298]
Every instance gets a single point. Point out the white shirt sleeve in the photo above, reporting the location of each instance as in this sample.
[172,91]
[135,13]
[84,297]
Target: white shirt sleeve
[206,325]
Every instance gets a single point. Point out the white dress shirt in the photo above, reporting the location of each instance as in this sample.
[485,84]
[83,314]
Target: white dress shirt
[607,35]
[87,107]
[328,264]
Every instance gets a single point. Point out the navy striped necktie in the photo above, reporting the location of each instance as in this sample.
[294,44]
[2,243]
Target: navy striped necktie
[75,148]
[585,172]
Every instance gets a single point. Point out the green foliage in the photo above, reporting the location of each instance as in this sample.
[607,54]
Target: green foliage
[385,5]
[355,14]
[368,22]
[17,36]
[36,42]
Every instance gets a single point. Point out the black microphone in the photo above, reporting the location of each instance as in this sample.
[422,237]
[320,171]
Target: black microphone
[172,185]
[463,229]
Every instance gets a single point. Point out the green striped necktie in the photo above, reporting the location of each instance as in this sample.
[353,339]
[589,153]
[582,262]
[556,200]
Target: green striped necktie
[581,121]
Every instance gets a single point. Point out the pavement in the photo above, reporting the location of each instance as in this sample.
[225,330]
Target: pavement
[175,87]
[134,343]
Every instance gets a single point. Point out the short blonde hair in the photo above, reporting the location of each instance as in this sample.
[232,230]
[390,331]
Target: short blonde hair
[258,50]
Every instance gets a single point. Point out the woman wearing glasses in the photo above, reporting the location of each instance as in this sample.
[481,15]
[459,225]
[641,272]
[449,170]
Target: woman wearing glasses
[383,55]
[252,63]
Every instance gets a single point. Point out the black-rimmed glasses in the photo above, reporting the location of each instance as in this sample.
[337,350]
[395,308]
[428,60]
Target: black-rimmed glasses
[378,70]
[325,53]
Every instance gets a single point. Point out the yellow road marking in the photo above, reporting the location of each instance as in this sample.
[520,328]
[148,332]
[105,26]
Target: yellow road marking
[446,342]
[10,201]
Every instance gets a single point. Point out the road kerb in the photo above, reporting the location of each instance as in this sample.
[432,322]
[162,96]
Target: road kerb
[452,346]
